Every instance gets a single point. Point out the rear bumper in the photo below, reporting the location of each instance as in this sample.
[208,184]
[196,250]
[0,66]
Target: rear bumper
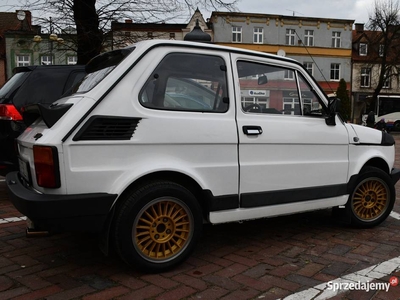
[80,212]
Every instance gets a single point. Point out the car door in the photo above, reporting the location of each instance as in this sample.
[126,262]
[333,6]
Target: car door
[287,152]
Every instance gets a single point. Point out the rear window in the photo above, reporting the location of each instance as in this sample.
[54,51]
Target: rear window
[100,66]
[10,88]
[42,86]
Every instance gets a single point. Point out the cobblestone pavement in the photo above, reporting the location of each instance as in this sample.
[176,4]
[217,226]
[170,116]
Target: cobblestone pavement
[262,259]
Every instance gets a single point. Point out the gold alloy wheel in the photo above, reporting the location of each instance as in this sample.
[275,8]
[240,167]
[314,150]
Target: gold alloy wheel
[370,199]
[162,229]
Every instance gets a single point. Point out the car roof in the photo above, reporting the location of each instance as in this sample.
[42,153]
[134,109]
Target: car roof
[156,43]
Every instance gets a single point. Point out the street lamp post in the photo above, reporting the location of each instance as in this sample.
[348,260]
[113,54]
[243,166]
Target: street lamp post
[51,39]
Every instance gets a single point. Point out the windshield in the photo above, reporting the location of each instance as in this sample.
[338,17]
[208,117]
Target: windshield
[10,88]
[100,66]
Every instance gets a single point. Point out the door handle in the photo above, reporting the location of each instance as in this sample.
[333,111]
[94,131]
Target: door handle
[252,130]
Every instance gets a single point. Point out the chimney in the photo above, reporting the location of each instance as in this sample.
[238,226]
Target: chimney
[359,27]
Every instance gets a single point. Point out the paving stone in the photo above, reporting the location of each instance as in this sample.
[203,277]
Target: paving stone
[211,293]
[233,261]
[40,294]
[109,293]
[5,283]
[177,293]
[191,281]
[160,281]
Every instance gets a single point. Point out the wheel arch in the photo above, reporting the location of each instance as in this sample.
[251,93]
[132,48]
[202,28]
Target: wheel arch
[377,162]
[177,177]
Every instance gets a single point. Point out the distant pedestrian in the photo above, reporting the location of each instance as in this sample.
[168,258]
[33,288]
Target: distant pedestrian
[381,125]
[371,119]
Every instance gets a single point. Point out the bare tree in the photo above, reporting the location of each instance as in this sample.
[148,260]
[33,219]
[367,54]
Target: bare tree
[384,22]
[92,18]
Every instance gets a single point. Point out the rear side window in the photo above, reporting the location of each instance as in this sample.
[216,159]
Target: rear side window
[187,82]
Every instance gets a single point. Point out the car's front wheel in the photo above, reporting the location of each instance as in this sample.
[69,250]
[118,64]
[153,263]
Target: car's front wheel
[372,199]
[396,126]
[157,226]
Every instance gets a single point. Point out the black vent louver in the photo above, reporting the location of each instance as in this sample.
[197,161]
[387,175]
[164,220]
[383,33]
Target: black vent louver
[107,128]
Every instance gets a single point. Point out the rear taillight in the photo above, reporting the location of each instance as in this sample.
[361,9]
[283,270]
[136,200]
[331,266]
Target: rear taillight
[46,166]
[9,112]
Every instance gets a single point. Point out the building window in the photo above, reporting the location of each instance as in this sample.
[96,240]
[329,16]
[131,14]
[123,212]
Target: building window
[386,82]
[46,60]
[336,39]
[258,35]
[309,38]
[288,74]
[309,67]
[72,60]
[363,49]
[290,36]
[258,96]
[365,77]
[381,50]
[236,34]
[172,35]
[335,72]
[23,60]
[291,106]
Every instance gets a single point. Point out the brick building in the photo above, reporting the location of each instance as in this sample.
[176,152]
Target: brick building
[9,22]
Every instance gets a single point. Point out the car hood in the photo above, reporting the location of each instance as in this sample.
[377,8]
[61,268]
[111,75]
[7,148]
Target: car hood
[369,136]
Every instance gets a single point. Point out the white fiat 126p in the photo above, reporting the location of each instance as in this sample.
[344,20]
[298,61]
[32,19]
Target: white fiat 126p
[162,136]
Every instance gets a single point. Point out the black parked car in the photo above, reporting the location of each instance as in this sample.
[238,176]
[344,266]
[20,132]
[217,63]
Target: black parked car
[30,85]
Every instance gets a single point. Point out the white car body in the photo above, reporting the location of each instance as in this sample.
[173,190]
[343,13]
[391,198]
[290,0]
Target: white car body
[282,164]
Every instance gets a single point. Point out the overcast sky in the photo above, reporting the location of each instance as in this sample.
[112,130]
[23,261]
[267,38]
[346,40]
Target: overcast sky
[357,10]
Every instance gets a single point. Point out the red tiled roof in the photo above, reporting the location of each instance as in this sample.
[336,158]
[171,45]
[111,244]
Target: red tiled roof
[9,21]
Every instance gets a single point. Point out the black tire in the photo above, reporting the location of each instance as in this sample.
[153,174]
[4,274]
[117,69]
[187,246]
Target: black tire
[396,126]
[372,199]
[157,226]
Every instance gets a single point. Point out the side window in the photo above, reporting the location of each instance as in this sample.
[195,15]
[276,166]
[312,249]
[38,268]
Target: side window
[310,101]
[187,82]
[266,89]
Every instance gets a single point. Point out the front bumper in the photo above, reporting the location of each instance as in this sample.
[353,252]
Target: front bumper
[79,212]
[395,175]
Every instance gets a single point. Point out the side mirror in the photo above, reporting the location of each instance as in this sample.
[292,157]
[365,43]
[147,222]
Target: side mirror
[262,80]
[334,108]
[334,105]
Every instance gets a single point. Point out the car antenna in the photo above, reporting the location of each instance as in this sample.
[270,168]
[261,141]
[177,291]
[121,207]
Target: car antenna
[323,76]
[294,12]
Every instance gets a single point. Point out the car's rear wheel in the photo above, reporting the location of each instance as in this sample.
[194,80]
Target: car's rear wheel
[157,226]
[372,199]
